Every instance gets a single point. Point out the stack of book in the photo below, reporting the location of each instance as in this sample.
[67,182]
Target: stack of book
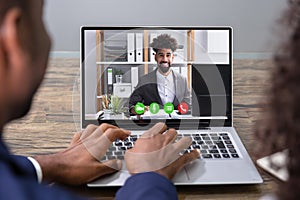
[115,50]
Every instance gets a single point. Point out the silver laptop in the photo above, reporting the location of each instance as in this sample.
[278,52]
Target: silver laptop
[112,61]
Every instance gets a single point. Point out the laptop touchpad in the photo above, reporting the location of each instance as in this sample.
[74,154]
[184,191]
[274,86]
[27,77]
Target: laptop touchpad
[195,169]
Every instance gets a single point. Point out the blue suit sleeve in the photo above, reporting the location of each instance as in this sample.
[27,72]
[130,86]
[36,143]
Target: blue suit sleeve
[18,181]
[147,186]
[26,166]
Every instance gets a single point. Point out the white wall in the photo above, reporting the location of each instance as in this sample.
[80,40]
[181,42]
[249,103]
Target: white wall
[252,20]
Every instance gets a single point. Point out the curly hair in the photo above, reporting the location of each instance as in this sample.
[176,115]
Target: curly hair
[281,122]
[164,41]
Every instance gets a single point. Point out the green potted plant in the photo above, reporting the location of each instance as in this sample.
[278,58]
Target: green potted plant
[117,105]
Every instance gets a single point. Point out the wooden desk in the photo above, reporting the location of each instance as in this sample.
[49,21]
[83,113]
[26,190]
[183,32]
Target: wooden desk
[50,124]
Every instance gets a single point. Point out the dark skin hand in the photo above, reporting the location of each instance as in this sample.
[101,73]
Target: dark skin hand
[157,138]
[75,165]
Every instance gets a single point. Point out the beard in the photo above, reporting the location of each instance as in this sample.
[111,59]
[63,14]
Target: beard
[164,67]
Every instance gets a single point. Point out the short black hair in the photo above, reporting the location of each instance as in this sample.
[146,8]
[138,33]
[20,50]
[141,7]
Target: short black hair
[164,41]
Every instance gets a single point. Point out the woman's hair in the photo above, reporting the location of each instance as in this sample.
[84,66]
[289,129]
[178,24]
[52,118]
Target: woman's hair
[280,127]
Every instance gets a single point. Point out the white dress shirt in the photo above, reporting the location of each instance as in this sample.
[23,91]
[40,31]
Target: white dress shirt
[166,87]
[38,169]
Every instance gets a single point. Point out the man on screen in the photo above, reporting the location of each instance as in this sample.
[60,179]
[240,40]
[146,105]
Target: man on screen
[163,85]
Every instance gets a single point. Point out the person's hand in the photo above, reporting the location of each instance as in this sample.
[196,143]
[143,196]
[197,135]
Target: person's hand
[156,151]
[80,162]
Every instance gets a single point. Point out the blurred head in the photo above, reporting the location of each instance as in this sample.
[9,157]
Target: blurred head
[280,125]
[164,46]
[24,49]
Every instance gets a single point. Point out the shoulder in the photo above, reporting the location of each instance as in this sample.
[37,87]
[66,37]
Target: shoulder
[178,76]
[150,77]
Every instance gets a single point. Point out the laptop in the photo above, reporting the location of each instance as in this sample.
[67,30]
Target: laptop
[113,59]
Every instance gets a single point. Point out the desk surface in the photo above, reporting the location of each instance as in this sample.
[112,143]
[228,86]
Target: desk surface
[54,117]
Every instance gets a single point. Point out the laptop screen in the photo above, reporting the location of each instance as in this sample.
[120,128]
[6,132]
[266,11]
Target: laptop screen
[133,77]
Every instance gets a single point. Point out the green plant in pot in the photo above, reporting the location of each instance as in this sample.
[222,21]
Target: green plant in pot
[117,105]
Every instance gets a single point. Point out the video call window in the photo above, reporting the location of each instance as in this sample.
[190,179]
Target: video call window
[117,60]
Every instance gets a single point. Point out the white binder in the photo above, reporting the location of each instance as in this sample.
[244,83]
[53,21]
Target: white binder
[139,47]
[130,47]
[134,77]
[152,53]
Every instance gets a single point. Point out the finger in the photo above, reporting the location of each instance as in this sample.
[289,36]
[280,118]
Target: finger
[158,128]
[88,131]
[182,144]
[187,158]
[97,131]
[98,143]
[170,136]
[113,134]
[106,126]
[76,138]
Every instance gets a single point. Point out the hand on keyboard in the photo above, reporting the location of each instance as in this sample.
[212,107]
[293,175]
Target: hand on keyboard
[79,163]
[156,151]
[98,139]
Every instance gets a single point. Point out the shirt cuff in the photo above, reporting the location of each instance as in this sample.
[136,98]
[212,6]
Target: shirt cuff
[38,169]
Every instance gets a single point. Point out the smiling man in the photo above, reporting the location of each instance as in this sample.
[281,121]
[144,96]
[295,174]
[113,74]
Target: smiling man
[163,85]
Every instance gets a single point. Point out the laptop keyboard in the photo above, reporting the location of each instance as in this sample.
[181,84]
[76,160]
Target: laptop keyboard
[211,145]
